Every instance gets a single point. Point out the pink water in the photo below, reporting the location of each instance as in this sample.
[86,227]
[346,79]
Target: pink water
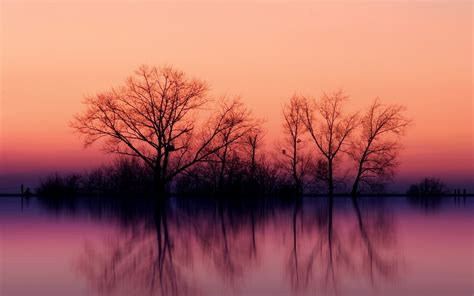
[389,247]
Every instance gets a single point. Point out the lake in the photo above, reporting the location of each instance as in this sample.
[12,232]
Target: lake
[197,246]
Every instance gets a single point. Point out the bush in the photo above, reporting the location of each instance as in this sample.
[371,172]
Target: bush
[427,187]
[57,185]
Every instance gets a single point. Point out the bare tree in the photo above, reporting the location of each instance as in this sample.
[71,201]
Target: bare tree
[253,142]
[154,117]
[376,148]
[294,129]
[329,128]
[240,125]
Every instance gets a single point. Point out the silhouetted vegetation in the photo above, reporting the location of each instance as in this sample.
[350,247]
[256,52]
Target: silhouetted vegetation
[427,193]
[329,128]
[427,187]
[158,117]
[124,177]
[177,138]
[57,185]
[375,149]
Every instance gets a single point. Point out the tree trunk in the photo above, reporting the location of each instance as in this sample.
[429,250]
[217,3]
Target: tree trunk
[355,187]
[161,189]
[220,183]
[330,179]
[160,184]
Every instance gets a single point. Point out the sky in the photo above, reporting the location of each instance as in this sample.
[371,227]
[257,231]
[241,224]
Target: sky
[418,54]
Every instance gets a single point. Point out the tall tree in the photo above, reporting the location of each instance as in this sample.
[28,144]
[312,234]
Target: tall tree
[157,117]
[329,128]
[294,129]
[375,150]
[252,145]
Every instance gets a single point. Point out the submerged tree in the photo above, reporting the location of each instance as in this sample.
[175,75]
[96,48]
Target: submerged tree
[375,150]
[155,117]
[329,128]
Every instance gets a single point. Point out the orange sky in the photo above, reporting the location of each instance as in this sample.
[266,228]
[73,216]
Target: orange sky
[418,54]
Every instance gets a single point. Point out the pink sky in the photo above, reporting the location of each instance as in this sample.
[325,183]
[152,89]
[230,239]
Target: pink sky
[417,54]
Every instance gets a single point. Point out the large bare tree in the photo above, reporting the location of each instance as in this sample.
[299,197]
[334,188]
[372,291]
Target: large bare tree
[329,128]
[375,150]
[157,116]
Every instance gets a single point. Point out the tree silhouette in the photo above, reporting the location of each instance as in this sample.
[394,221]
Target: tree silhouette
[329,128]
[227,157]
[376,148]
[154,117]
[252,144]
[296,162]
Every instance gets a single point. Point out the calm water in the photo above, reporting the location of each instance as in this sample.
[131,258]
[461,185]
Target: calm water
[390,246]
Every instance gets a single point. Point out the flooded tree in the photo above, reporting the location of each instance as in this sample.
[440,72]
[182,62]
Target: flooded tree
[329,128]
[157,117]
[375,150]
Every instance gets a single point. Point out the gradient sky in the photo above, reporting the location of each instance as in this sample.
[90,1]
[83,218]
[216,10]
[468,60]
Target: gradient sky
[415,53]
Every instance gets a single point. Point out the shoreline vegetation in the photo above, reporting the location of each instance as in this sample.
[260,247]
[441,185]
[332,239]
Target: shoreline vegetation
[189,141]
[172,136]
[127,178]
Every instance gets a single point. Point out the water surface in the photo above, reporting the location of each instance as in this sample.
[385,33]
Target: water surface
[183,246]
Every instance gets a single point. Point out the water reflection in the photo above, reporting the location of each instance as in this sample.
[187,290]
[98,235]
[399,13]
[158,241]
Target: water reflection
[185,246]
[327,247]
[368,246]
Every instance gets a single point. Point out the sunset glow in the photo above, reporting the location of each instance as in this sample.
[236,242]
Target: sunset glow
[418,54]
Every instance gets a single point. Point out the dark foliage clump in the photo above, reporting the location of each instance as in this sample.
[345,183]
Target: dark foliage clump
[427,187]
[238,178]
[124,177]
[56,185]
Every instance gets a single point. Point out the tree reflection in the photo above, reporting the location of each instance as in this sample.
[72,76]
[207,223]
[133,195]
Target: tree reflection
[333,252]
[139,260]
[377,235]
[182,246]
